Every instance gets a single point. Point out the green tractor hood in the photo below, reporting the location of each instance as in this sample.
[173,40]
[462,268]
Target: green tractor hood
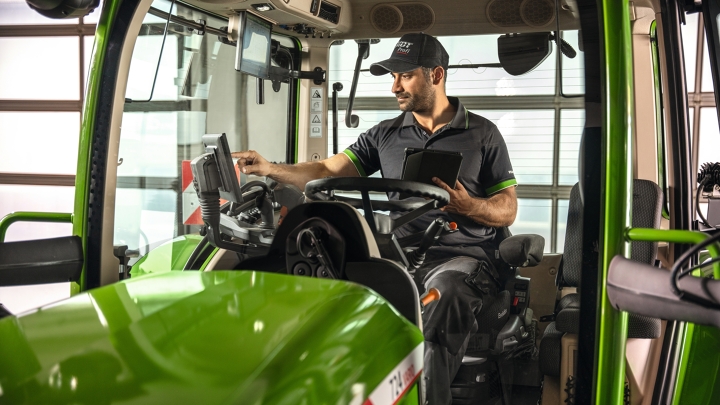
[236,337]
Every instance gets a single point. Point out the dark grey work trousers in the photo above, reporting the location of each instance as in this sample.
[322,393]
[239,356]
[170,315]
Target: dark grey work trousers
[464,282]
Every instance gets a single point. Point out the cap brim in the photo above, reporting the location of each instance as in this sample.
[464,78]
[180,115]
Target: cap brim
[391,65]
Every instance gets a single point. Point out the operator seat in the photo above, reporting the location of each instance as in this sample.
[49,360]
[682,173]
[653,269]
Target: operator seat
[646,212]
[362,262]
[505,328]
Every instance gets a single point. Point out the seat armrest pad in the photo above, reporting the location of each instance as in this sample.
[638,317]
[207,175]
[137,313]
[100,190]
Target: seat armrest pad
[522,250]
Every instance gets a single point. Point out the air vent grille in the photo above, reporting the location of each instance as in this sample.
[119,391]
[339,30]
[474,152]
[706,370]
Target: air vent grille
[416,17]
[386,18]
[537,13]
[329,12]
[504,13]
[394,17]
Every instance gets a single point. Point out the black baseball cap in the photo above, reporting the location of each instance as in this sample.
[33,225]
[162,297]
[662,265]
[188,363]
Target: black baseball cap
[411,52]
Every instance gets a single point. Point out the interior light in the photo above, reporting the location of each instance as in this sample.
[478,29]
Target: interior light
[263,7]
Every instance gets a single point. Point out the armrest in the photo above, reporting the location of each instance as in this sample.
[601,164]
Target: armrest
[522,250]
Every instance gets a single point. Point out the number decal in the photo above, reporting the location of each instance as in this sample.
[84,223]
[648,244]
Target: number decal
[399,381]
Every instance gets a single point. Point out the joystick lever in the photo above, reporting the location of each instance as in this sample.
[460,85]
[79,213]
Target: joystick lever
[417,256]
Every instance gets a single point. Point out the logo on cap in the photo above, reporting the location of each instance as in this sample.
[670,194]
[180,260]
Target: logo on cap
[403,47]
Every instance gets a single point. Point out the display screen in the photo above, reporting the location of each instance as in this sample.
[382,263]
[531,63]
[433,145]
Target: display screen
[253,48]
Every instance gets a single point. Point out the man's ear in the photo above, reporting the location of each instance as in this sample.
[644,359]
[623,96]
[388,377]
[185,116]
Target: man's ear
[438,74]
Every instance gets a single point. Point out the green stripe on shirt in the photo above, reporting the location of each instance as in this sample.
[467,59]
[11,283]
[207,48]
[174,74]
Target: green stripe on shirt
[355,161]
[500,186]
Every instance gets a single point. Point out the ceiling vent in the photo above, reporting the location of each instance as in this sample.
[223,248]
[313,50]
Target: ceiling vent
[402,17]
[537,13]
[518,13]
[386,18]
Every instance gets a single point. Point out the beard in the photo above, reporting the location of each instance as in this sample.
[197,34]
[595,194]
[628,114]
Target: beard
[422,101]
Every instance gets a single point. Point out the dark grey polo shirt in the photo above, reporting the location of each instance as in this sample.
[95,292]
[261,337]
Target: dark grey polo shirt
[485,168]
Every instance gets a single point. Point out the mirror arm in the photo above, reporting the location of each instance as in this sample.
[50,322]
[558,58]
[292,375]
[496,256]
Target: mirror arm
[352,121]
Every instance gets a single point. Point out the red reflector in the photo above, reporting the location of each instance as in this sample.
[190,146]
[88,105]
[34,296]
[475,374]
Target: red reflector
[515,301]
[453,226]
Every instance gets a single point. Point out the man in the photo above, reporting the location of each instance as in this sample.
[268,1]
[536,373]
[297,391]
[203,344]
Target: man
[482,200]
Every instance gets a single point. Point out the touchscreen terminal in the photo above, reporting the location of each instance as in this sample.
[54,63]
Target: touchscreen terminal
[422,165]
[218,145]
[253,47]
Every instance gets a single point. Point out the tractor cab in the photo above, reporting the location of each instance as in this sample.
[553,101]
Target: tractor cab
[189,281]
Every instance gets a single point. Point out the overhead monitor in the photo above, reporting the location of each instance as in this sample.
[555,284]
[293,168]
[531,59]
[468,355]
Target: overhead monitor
[253,45]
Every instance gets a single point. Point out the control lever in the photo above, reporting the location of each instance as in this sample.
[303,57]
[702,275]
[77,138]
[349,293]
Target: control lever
[433,294]
[417,256]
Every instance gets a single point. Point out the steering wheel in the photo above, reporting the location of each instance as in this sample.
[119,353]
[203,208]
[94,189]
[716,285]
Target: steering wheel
[438,197]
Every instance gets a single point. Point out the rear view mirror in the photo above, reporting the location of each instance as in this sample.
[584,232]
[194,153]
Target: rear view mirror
[521,53]
[61,9]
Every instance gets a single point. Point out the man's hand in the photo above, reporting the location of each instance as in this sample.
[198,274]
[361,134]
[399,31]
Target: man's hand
[460,201]
[496,210]
[250,162]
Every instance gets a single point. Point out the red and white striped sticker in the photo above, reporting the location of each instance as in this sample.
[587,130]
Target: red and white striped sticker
[400,379]
[191,204]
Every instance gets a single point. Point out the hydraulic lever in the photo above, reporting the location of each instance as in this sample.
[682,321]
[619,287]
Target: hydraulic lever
[417,256]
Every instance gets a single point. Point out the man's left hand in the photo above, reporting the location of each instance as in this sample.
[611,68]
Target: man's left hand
[460,201]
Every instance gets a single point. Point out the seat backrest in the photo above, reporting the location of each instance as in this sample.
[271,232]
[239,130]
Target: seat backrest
[572,253]
[646,213]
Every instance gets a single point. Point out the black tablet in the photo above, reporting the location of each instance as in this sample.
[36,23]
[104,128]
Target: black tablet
[422,165]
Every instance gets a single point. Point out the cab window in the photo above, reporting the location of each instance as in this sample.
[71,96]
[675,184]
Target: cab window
[540,114]
[196,91]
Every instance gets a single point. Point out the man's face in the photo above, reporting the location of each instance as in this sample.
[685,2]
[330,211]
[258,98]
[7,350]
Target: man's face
[414,91]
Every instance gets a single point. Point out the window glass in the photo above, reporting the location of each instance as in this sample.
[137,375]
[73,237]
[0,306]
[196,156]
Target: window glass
[39,142]
[572,123]
[562,213]
[534,216]
[24,71]
[529,138]
[573,70]
[88,43]
[709,147]
[36,198]
[197,92]
[367,119]
[460,82]
[17,12]
[707,80]
[689,38]
[491,81]
[19,299]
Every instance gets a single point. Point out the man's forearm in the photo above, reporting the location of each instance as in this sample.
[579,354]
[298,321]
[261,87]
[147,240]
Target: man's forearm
[496,211]
[298,174]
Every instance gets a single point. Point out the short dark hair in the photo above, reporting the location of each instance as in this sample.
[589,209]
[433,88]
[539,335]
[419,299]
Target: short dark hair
[427,72]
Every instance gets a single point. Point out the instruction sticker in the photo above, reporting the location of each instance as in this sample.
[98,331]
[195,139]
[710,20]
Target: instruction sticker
[316,111]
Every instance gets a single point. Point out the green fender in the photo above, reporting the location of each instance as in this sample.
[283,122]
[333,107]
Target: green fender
[223,337]
[170,256]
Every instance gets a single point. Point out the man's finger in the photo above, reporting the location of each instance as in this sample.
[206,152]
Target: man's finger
[459,186]
[441,184]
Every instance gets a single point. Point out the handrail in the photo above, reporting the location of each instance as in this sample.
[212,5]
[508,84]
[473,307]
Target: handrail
[675,236]
[25,216]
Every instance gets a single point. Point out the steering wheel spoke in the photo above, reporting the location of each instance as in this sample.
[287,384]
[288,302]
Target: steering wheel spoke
[414,208]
